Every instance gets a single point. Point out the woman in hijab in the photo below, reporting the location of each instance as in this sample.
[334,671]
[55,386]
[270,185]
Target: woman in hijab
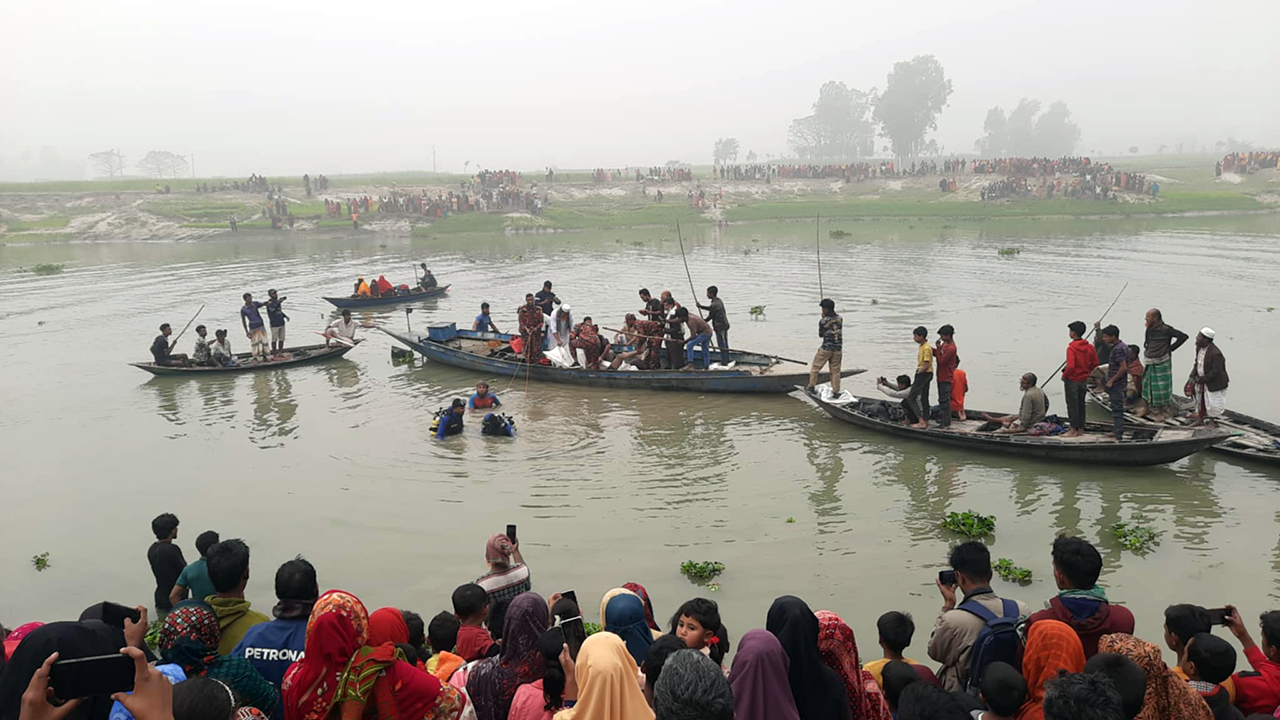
[607,687]
[625,618]
[839,652]
[340,673]
[643,594]
[492,683]
[1168,697]
[70,640]
[387,625]
[1051,646]
[817,689]
[189,639]
[759,679]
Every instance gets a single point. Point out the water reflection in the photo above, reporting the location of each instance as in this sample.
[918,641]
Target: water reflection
[165,391]
[273,409]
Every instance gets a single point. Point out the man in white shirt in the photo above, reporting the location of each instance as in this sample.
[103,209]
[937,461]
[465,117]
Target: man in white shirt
[344,327]
[220,350]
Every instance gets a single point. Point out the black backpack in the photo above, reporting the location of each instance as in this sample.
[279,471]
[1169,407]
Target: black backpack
[499,425]
[998,641]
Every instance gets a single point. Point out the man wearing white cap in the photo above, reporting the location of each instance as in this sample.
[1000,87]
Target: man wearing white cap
[560,328]
[1210,378]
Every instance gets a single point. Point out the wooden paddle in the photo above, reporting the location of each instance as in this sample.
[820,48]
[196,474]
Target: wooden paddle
[338,338]
[174,344]
[1091,332]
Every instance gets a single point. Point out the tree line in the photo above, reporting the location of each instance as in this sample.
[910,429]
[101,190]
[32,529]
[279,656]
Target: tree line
[157,164]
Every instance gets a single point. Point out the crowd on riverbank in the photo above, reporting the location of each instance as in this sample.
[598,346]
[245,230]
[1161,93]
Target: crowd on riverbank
[504,652]
[1069,177]
[1249,162]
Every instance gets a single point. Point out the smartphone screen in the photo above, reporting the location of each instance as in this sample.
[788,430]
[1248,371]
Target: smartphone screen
[511,533]
[115,614]
[1217,616]
[947,577]
[570,595]
[575,633]
[87,677]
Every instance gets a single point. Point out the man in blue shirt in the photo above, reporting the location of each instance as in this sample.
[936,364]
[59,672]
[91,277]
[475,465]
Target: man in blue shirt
[254,328]
[451,422]
[1117,376]
[484,323]
[277,318]
[271,647]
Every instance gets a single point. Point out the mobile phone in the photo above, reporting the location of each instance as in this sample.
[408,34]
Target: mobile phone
[1218,616]
[570,595]
[947,577]
[113,614]
[575,633]
[90,676]
[511,533]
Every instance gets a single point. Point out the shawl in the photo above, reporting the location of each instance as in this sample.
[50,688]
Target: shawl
[387,625]
[1168,697]
[337,628]
[639,590]
[1051,646]
[817,689]
[627,621]
[189,639]
[759,679]
[607,683]
[492,683]
[840,653]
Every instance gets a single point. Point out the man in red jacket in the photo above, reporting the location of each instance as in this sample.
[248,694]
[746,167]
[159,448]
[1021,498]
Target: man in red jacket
[1257,691]
[1082,358]
[1081,603]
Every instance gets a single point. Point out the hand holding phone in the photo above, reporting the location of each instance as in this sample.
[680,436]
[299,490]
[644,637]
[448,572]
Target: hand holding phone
[1218,616]
[35,701]
[571,595]
[947,588]
[152,692]
[947,577]
[91,676]
[511,533]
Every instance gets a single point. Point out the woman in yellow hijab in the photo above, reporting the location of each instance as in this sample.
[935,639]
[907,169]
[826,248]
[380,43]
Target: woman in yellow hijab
[607,688]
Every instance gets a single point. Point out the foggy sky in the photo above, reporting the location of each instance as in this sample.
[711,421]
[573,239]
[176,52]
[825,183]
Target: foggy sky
[288,86]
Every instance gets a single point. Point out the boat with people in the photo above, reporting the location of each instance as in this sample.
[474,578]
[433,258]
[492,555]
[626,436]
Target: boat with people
[245,362]
[1252,437]
[1142,445]
[399,296]
[491,353]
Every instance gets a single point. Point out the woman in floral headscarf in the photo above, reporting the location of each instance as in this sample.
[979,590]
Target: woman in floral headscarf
[189,639]
[1168,696]
[341,675]
[840,653]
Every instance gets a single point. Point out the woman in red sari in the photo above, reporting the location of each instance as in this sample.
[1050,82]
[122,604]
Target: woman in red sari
[840,653]
[341,677]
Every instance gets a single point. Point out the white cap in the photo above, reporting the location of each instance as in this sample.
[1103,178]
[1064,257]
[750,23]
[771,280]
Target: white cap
[1207,332]
[565,307]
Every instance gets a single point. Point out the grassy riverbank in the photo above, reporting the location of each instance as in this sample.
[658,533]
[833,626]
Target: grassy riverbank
[129,209]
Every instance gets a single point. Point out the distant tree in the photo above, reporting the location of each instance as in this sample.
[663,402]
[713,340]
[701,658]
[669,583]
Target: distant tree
[1026,132]
[108,162]
[838,129]
[674,163]
[995,139]
[726,150]
[751,156]
[1055,134]
[162,163]
[916,92]
[1133,149]
[1020,130]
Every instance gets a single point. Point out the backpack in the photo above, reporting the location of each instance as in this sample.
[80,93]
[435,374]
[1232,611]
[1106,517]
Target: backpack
[997,642]
[500,425]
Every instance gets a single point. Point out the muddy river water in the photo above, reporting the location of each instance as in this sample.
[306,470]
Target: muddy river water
[335,461]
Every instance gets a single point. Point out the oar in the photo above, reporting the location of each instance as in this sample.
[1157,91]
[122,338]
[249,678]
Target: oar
[174,344]
[686,271]
[736,349]
[1091,332]
[817,232]
[338,338]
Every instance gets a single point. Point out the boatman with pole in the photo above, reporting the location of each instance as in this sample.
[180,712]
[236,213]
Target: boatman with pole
[831,330]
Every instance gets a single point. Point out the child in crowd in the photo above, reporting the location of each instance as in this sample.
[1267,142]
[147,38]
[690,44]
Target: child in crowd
[1004,690]
[896,676]
[417,638]
[1257,691]
[1208,661]
[442,633]
[896,630]
[471,607]
[697,623]
[1181,623]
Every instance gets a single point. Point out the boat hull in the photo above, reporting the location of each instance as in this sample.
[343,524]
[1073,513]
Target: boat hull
[1148,446]
[701,381]
[307,355]
[1256,441]
[352,303]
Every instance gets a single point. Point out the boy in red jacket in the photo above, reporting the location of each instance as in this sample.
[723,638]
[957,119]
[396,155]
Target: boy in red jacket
[1082,358]
[1257,691]
[1081,603]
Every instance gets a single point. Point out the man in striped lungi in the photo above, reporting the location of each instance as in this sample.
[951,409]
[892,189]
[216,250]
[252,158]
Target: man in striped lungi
[1157,352]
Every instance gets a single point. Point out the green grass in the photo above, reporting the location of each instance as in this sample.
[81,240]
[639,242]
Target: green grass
[570,217]
[48,223]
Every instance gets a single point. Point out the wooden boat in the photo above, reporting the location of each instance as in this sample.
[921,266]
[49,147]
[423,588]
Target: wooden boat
[1142,445]
[414,294]
[1254,438]
[491,354]
[292,356]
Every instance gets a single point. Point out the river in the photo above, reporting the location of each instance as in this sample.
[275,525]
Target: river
[336,462]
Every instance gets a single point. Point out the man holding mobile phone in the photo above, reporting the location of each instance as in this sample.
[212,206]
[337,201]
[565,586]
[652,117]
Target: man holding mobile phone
[508,576]
[958,626]
[1256,691]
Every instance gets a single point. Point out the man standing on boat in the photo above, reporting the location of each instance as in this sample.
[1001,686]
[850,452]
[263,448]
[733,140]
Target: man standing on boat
[1157,350]
[1209,375]
[1081,360]
[531,320]
[1117,376]
[254,328]
[546,298]
[946,359]
[719,321]
[277,318]
[831,330]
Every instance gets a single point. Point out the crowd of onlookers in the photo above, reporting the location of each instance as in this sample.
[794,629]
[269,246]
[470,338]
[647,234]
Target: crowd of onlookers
[1247,162]
[503,652]
[1066,177]
[1033,167]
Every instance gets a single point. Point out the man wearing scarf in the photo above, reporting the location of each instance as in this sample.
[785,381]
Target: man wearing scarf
[273,646]
[1081,603]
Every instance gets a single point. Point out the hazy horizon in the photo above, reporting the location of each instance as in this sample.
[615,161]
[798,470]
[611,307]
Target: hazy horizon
[288,88]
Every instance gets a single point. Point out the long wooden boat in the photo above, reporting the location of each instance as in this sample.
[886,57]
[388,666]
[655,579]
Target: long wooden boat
[1142,445]
[291,356]
[1254,438]
[352,303]
[491,354]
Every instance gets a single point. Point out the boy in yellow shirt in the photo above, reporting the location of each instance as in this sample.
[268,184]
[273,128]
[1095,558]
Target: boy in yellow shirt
[919,394]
